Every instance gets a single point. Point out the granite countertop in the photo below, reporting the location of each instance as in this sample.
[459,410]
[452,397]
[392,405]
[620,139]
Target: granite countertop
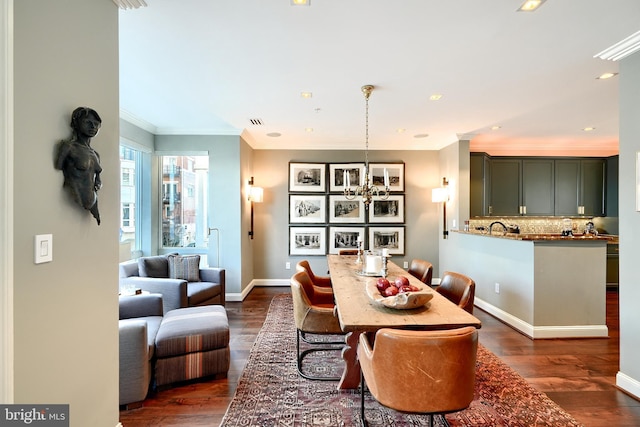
[541,236]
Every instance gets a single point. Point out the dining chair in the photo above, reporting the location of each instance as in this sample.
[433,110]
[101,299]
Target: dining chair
[313,310]
[419,372]
[348,252]
[458,289]
[323,281]
[421,270]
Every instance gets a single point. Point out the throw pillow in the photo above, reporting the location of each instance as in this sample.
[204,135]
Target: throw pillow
[153,266]
[186,267]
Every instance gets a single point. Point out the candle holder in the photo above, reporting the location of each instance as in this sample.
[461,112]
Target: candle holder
[385,270]
[359,257]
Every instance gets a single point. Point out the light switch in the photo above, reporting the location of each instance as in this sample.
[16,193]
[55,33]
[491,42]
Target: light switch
[43,248]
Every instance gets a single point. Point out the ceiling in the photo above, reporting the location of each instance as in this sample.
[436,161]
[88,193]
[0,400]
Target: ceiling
[203,67]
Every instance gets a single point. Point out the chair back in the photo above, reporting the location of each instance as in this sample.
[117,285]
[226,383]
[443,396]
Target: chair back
[421,270]
[311,312]
[348,252]
[459,289]
[421,371]
[316,280]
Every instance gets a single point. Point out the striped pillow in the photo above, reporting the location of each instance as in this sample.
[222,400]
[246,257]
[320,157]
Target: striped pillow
[185,267]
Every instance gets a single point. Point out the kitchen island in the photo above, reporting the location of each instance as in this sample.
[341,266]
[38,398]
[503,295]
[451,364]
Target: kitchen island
[544,285]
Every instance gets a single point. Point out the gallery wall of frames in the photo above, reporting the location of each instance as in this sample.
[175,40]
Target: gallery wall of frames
[323,220]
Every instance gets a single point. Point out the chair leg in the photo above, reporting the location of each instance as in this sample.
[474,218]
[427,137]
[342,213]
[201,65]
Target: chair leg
[362,386]
[300,356]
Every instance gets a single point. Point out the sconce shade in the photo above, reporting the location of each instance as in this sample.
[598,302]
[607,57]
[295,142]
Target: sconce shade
[439,195]
[256,194]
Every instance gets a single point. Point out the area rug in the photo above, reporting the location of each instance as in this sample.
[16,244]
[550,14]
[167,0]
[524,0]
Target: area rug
[270,391]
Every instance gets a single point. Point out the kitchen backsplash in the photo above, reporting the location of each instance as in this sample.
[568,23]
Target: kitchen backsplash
[532,225]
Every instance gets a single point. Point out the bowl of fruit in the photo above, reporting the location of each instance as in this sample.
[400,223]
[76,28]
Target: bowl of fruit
[398,293]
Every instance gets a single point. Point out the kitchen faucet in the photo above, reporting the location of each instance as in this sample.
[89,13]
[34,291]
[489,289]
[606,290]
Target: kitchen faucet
[504,227]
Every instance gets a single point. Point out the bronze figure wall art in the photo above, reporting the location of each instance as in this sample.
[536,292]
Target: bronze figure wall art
[79,162]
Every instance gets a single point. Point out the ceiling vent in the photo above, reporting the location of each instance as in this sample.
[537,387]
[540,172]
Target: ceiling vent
[256,122]
[130,4]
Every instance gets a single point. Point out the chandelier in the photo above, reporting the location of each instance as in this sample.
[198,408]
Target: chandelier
[366,189]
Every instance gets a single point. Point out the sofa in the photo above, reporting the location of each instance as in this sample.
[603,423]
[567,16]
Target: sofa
[178,278]
[140,319]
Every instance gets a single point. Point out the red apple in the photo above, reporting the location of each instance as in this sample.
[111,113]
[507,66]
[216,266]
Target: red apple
[382,284]
[406,288]
[401,281]
[413,288]
[391,291]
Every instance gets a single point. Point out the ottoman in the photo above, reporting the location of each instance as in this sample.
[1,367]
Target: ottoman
[192,343]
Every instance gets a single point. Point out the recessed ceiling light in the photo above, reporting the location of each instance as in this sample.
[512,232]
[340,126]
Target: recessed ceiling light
[308,129]
[300,2]
[495,127]
[589,129]
[400,130]
[435,97]
[530,5]
[306,94]
[274,134]
[605,76]
[421,135]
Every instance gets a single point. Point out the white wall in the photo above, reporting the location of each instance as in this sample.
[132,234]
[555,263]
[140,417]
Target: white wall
[66,333]
[629,375]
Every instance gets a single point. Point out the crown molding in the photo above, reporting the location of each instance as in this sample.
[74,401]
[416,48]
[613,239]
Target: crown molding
[622,49]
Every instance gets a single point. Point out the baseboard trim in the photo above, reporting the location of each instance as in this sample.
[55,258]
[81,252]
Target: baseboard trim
[240,296]
[543,332]
[628,384]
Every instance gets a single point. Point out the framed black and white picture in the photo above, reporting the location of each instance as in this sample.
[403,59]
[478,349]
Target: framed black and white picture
[394,175]
[307,241]
[344,211]
[307,209]
[341,238]
[343,175]
[307,177]
[390,210]
[391,238]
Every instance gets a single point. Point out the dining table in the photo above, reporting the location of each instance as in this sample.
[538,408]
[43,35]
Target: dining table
[358,313]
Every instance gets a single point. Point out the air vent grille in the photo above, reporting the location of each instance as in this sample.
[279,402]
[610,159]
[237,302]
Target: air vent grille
[130,4]
[256,122]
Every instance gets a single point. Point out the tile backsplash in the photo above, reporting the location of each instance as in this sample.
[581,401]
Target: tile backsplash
[533,225]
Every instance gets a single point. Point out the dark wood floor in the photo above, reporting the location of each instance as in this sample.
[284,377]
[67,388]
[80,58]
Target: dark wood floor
[578,374]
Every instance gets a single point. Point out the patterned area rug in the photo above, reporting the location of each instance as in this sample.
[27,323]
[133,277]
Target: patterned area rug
[271,393]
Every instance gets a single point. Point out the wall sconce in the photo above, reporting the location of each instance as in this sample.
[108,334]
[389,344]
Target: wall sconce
[256,195]
[441,195]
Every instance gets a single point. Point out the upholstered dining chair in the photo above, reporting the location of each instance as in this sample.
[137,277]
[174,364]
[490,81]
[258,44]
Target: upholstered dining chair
[422,372]
[348,252]
[421,270]
[323,281]
[458,289]
[313,310]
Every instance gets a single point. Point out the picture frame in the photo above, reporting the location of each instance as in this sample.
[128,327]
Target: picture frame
[391,238]
[307,240]
[390,210]
[307,209]
[396,175]
[336,176]
[344,211]
[345,238]
[307,177]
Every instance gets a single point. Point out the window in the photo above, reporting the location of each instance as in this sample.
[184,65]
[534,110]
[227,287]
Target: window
[130,161]
[184,201]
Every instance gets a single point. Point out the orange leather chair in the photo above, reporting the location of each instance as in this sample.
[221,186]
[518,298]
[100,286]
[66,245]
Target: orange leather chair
[313,310]
[323,281]
[459,289]
[425,372]
[348,252]
[421,270]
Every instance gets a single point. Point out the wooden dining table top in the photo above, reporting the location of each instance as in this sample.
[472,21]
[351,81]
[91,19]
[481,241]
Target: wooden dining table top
[356,311]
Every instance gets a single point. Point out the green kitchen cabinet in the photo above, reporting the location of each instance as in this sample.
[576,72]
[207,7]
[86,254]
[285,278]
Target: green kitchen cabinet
[480,178]
[580,187]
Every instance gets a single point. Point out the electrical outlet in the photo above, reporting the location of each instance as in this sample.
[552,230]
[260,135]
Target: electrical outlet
[406,264]
[287,265]
[497,288]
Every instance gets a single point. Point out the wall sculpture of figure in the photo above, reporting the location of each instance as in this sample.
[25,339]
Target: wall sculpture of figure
[79,162]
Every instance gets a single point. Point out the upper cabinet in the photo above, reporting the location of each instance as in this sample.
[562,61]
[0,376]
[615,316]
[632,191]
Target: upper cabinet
[537,186]
[580,187]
